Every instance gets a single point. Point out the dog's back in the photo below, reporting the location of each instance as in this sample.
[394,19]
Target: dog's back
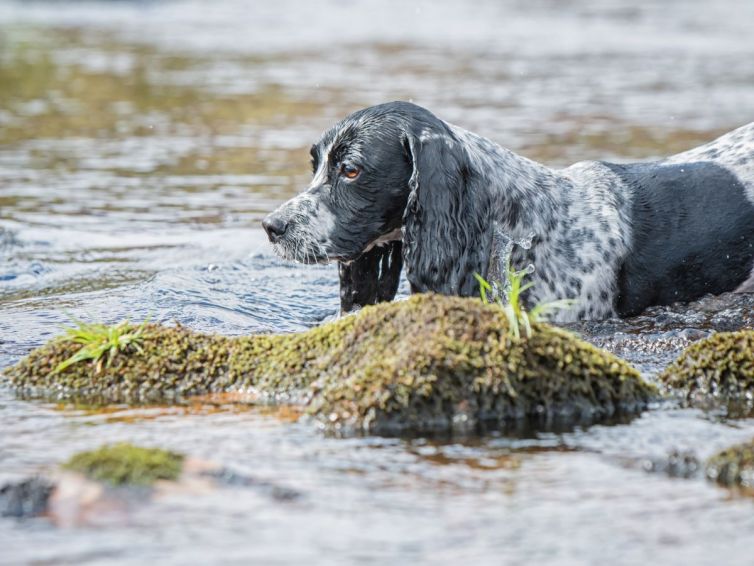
[692,223]
[733,151]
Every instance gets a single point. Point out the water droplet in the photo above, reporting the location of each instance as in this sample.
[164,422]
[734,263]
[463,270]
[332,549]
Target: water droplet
[502,248]
[525,242]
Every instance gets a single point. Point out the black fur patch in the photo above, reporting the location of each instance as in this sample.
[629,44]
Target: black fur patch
[371,278]
[693,233]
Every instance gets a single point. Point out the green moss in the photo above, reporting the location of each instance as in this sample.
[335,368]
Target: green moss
[717,369]
[429,363]
[733,467]
[126,464]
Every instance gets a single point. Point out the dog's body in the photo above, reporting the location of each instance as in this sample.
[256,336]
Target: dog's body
[614,238]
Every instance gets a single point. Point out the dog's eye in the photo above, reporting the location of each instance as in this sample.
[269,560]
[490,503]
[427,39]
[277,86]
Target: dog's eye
[349,171]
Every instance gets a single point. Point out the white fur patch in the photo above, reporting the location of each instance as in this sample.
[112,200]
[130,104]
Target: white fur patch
[393,236]
[748,285]
[320,176]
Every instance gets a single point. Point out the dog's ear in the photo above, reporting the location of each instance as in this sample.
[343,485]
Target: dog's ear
[371,278]
[445,236]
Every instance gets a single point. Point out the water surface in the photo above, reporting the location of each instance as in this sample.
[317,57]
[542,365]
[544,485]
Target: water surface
[142,142]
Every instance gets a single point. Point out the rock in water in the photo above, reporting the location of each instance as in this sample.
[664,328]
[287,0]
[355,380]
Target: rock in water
[103,486]
[733,467]
[430,363]
[126,464]
[716,370]
[26,498]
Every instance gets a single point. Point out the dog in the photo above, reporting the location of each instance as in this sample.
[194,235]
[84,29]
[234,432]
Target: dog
[394,186]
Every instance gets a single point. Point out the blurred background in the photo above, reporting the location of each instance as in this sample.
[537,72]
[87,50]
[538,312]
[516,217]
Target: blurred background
[141,143]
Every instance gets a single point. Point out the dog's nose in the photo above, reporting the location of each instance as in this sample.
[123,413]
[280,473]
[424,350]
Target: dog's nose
[275,227]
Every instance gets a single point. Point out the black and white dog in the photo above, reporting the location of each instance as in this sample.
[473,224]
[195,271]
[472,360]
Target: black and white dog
[396,186]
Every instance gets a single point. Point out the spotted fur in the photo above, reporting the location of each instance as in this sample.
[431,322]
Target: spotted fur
[598,227]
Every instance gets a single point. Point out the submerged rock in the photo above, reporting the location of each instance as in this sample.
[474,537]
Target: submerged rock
[718,369]
[427,364]
[126,464]
[94,487]
[103,486]
[676,464]
[26,498]
[733,467]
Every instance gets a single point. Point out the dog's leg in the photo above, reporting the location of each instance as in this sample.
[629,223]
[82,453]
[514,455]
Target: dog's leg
[371,278]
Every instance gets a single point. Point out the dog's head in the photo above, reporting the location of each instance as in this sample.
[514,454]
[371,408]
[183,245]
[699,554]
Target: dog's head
[357,196]
[381,169]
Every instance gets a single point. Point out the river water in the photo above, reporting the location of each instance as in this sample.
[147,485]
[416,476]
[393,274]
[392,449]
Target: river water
[142,142]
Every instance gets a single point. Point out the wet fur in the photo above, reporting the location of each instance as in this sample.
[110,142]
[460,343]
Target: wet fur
[614,238]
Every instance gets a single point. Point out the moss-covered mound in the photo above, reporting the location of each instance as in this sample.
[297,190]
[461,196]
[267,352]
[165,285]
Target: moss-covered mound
[733,467]
[126,464]
[430,363]
[717,369]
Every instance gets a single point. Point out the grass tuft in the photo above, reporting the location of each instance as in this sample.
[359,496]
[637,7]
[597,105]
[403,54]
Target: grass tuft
[518,317]
[100,343]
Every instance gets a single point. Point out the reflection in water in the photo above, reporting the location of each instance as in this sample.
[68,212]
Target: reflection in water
[142,142]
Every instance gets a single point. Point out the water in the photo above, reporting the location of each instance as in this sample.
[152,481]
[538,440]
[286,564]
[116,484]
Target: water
[142,142]
[500,269]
